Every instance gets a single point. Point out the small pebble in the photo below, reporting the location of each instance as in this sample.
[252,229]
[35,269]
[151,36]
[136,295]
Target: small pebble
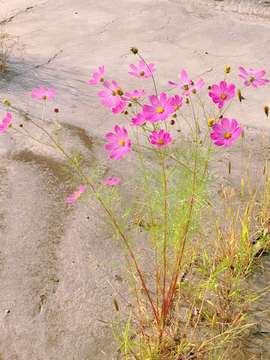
[7,311]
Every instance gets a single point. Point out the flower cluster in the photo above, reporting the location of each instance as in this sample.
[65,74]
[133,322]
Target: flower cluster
[159,109]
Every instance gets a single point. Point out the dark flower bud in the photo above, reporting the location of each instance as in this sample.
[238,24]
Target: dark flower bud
[134,50]
[21,125]
[172,122]
[266,109]
[56,110]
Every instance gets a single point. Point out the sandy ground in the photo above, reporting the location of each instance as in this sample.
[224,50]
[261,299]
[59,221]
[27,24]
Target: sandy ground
[54,264]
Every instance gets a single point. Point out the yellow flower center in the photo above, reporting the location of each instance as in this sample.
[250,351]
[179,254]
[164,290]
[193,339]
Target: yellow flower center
[160,110]
[119,92]
[227,135]
[122,142]
[176,107]
[160,141]
[134,97]
[223,96]
[77,195]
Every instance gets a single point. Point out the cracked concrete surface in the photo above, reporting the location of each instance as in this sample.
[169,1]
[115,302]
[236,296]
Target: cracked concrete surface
[55,294]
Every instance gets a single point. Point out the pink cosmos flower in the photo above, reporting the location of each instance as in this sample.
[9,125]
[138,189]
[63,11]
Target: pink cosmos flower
[111,181]
[188,86]
[160,139]
[138,120]
[98,77]
[134,96]
[226,132]
[77,194]
[119,108]
[120,144]
[43,94]
[222,93]
[160,109]
[252,77]
[177,102]
[5,123]
[111,95]
[143,71]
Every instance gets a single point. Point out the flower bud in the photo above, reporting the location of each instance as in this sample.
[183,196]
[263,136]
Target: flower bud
[129,105]
[134,50]
[175,116]
[21,125]
[210,122]
[239,95]
[6,102]
[187,101]
[56,110]
[116,304]
[266,109]
[220,116]
[227,69]
[209,88]
[172,122]
[126,112]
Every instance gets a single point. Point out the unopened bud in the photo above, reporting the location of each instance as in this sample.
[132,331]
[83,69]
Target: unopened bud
[239,95]
[209,88]
[134,50]
[6,102]
[129,105]
[175,116]
[266,109]
[116,304]
[187,101]
[210,122]
[56,110]
[172,122]
[21,125]
[126,112]
[227,69]
[220,116]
